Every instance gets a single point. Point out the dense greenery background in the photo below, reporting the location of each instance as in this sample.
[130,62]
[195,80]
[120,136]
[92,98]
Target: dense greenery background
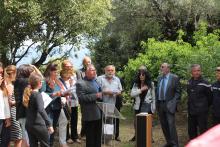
[126,33]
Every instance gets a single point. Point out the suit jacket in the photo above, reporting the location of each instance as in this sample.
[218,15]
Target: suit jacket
[172,94]
[86,93]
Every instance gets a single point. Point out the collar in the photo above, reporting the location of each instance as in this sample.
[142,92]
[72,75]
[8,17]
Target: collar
[89,79]
[108,79]
[166,76]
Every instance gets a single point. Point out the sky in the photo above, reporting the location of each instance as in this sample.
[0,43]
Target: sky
[81,51]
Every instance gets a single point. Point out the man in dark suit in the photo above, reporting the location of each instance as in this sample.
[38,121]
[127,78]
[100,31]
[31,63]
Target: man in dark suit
[89,91]
[167,96]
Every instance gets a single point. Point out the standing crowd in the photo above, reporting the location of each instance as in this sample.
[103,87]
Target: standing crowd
[28,119]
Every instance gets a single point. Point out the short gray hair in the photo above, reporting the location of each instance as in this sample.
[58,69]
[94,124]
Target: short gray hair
[194,66]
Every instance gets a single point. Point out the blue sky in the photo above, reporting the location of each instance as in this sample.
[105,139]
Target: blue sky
[80,50]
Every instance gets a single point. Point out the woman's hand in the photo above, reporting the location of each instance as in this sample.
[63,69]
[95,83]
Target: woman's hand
[7,122]
[144,88]
[50,130]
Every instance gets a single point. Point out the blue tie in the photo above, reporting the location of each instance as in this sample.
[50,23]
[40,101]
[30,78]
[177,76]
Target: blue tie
[162,97]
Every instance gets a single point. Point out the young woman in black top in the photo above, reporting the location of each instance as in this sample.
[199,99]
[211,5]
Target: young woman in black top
[37,122]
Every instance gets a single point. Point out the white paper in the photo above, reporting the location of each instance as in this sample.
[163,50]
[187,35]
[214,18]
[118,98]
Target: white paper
[68,91]
[46,98]
[108,129]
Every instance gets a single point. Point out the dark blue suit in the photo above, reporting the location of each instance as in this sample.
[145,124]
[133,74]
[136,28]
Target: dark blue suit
[167,108]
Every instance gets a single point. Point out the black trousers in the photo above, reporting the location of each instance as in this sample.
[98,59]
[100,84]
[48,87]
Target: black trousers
[74,120]
[4,134]
[54,117]
[168,125]
[216,120]
[197,124]
[116,122]
[93,133]
[38,133]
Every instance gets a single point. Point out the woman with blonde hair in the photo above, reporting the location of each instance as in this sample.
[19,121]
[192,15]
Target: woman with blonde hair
[16,132]
[38,124]
[5,115]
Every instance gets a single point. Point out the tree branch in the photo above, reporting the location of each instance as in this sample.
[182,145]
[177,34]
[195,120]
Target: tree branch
[22,56]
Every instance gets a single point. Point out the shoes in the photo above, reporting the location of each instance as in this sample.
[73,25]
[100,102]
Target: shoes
[132,139]
[77,140]
[70,141]
[118,139]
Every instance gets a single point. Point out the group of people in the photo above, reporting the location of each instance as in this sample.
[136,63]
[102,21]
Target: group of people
[200,94]
[28,121]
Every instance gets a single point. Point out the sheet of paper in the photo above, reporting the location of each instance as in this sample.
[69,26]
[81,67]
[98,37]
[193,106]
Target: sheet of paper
[46,98]
[108,129]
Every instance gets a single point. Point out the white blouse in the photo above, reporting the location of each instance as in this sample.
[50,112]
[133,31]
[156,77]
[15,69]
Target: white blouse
[4,106]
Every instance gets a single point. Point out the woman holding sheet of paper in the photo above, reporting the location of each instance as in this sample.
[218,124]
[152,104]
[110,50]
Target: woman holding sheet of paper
[52,86]
[70,84]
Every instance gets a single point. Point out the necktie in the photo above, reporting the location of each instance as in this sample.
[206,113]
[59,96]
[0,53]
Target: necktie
[162,97]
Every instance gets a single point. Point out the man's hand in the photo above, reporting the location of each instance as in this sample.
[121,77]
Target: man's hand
[99,95]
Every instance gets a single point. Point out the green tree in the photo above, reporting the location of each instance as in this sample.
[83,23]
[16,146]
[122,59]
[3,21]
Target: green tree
[48,24]
[121,38]
[138,20]
[179,54]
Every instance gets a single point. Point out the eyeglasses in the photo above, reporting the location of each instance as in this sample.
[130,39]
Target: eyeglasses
[141,74]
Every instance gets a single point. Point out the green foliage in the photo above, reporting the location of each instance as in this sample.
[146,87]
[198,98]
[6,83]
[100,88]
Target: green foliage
[48,24]
[179,54]
[121,38]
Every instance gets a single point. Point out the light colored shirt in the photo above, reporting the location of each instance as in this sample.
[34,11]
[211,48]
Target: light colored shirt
[165,78]
[113,85]
[4,106]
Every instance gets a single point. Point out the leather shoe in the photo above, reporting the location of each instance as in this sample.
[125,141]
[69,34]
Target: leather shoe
[77,140]
[166,145]
[118,139]
[132,139]
[70,141]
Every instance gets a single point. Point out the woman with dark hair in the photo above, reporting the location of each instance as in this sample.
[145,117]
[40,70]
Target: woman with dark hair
[143,92]
[21,82]
[53,87]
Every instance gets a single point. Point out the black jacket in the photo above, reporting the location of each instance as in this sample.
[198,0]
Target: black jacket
[216,99]
[199,96]
[19,86]
[36,114]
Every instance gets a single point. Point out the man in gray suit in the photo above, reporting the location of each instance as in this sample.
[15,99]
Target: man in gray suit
[89,91]
[167,95]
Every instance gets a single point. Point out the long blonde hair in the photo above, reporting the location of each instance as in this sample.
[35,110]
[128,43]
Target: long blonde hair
[33,80]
